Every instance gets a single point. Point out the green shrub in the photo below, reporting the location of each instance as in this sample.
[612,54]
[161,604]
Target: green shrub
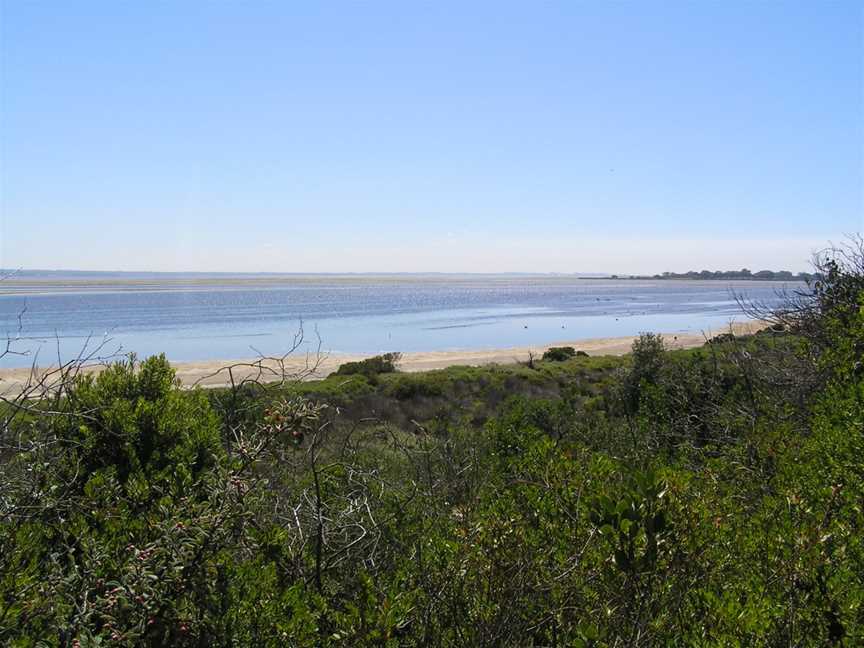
[559,354]
[375,365]
[648,355]
[132,418]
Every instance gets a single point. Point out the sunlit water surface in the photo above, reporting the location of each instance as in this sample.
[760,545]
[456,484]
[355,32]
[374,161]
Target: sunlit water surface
[210,317]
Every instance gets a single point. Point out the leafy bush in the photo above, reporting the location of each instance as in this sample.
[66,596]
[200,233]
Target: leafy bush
[373,366]
[647,355]
[559,354]
[132,420]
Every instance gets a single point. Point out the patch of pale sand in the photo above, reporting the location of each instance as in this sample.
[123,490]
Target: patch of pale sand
[219,373]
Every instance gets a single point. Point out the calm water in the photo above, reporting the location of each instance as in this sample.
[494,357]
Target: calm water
[209,317]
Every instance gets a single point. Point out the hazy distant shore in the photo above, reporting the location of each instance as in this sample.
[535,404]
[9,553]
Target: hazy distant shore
[31,283]
[57,282]
[214,373]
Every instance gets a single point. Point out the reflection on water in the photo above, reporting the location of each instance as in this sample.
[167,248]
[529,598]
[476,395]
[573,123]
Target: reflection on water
[223,317]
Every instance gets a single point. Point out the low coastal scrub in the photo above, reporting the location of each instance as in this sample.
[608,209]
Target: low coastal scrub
[457,393]
[702,497]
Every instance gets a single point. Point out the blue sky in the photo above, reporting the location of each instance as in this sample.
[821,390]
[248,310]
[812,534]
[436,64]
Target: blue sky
[256,136]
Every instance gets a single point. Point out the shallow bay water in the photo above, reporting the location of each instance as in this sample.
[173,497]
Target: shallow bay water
[210,317]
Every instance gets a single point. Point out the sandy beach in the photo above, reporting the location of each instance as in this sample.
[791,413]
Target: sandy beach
[216,373]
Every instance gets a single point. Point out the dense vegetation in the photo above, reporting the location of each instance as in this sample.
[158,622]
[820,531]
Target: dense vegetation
[704,497]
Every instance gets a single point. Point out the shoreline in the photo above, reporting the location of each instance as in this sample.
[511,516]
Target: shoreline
[215,373]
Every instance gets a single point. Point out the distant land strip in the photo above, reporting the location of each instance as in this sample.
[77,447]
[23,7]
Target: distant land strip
[726,275]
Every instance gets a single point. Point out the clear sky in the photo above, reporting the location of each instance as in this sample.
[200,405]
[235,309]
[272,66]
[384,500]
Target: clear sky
[407,136]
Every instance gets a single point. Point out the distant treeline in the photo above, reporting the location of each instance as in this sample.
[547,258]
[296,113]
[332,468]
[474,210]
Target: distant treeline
[762,275]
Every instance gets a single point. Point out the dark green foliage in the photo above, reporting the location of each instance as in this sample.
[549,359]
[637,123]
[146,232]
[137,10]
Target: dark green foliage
[131,419]
[559,354]
[373,366]
[648,357]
